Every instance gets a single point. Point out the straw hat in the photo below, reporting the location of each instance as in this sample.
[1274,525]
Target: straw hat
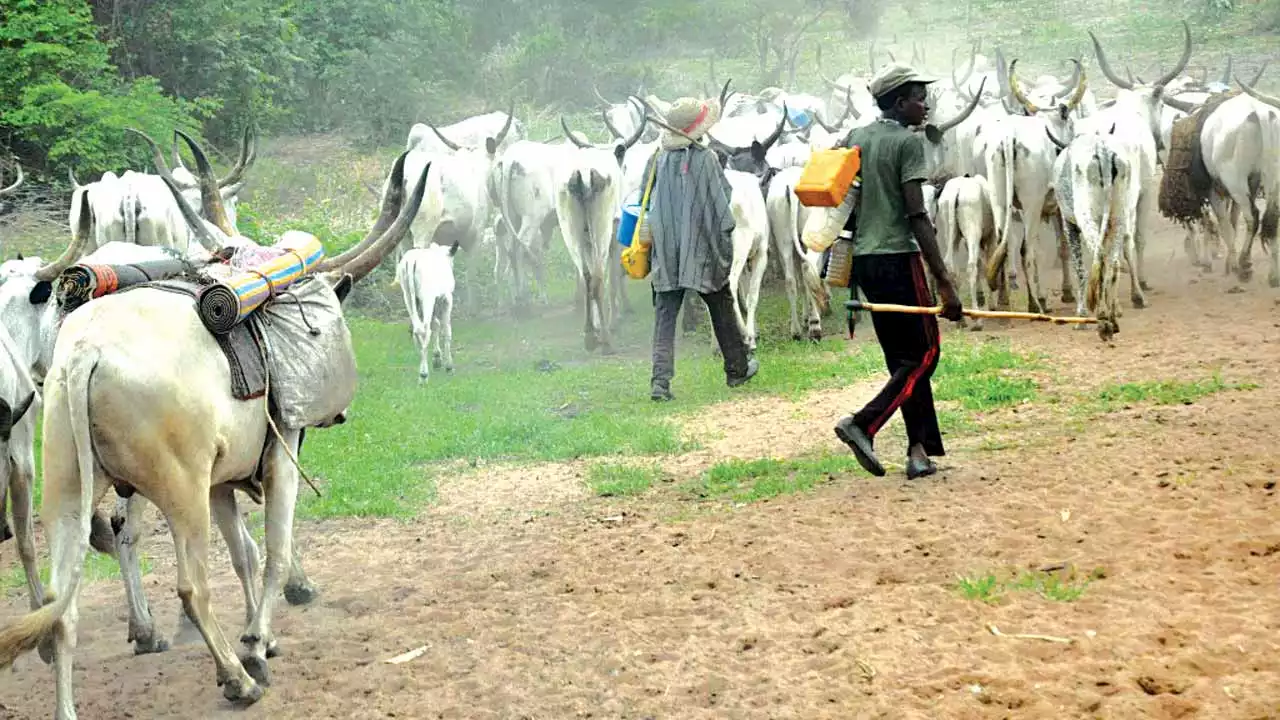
[693,117]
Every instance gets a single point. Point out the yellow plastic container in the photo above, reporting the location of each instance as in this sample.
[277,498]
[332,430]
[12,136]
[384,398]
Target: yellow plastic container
[827,176]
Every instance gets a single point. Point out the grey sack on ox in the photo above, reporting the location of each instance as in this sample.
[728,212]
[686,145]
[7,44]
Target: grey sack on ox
[310,359]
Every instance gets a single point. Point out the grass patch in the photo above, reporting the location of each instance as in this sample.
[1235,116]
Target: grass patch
[984,376]
[1065,585]
[96,567]
[754,480]
[618,480]
[1114,396]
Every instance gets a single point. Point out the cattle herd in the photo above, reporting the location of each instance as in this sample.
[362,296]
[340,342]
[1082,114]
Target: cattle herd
[1009,158]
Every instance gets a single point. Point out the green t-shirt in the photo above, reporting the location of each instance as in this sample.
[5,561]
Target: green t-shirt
[892,156]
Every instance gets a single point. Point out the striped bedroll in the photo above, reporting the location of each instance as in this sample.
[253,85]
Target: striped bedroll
[230,299]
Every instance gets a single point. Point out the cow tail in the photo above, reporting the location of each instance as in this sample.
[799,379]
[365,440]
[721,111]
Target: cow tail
[1001,252]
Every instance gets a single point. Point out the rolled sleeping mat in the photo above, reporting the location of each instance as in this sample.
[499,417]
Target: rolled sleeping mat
[83,282]
[225,303]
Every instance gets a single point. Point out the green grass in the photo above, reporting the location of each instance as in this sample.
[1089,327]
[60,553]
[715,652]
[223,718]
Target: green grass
[1114,396]
[620,480]
[1064,585]
[96,567]
[746,481]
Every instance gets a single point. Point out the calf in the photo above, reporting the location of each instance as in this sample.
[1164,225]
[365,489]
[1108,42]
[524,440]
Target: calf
[965,217]
[426,277]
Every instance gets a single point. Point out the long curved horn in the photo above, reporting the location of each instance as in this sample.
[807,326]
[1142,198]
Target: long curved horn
[964,114]
[1181,105]
[1002,73]
[1106,66]
[1258,95]
[75,184]
[835,86]
[596,89]
[569,133]
[725,94]
[1061,145]
[640,128]
[79,237]
[1081,83]
[1074,83]
[387,215]
[1261,70]
[204,231]
[447,142]
[248,155]
[1014,88]
[973,59]
[777,132]
[1226,74]
[613,131]
[17,183]
[506,127]
[1182,62]
[367,261]
[210,198]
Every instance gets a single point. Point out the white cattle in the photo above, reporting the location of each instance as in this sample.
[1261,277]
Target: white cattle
[524,178]
[787,219]
[1097,191]
[17,459]
[588,182]
[849,90]
[138,207]
[965,219]
[1018,158]
[458,206]
[1241,145]
[426,278]
[750,249]
[626,118]
[474,131]
[1134,121]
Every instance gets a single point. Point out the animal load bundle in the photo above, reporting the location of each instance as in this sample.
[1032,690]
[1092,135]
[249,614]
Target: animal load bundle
[254,276]
[83,282]
[1186,184]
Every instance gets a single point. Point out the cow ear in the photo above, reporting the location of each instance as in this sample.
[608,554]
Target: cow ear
[932,133]
[41,292]
[343,287]
[490,145]
[22,408]
[757,151]
[19,257]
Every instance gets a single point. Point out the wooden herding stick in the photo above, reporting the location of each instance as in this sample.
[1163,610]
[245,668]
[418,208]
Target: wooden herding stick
[994,314]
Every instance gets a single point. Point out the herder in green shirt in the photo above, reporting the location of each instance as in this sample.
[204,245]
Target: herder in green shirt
[893,235]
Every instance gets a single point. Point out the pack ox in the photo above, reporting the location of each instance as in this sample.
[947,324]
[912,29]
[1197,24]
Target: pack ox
[142,349]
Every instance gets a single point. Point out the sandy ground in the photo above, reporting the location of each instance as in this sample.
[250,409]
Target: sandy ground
[535,600]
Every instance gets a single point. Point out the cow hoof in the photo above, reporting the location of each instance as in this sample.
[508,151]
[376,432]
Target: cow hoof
[238,692]
[797,336]
[436,361]
[300,594]
[590,343]
[273,649]
[607,349]
[1274,281]
[976,326]
[815,335]
[150,646]
[1146,286]
[423,378]
[1245,273]
[448,369]
[1068,296]
[257,669]
[1138,301]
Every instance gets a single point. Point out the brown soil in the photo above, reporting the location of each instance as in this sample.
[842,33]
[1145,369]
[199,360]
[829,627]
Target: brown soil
[535,600]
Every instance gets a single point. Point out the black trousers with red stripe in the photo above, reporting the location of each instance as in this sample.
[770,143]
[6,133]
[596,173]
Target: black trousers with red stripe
[910,345]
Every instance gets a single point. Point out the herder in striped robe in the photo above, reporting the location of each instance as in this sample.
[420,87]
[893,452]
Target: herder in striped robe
[692,244]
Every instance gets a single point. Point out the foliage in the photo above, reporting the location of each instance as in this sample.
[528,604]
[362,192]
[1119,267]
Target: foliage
[61,100]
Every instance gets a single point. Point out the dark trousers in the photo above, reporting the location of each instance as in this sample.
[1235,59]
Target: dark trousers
[666,308]
[910,345]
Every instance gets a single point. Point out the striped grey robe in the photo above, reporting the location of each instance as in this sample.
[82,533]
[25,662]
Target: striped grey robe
[691,222]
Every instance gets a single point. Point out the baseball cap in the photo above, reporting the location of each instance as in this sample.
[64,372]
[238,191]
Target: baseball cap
[895,75]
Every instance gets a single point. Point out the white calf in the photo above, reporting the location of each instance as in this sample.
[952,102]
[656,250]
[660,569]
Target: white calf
[750,249]
[426,277]
[965,218]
